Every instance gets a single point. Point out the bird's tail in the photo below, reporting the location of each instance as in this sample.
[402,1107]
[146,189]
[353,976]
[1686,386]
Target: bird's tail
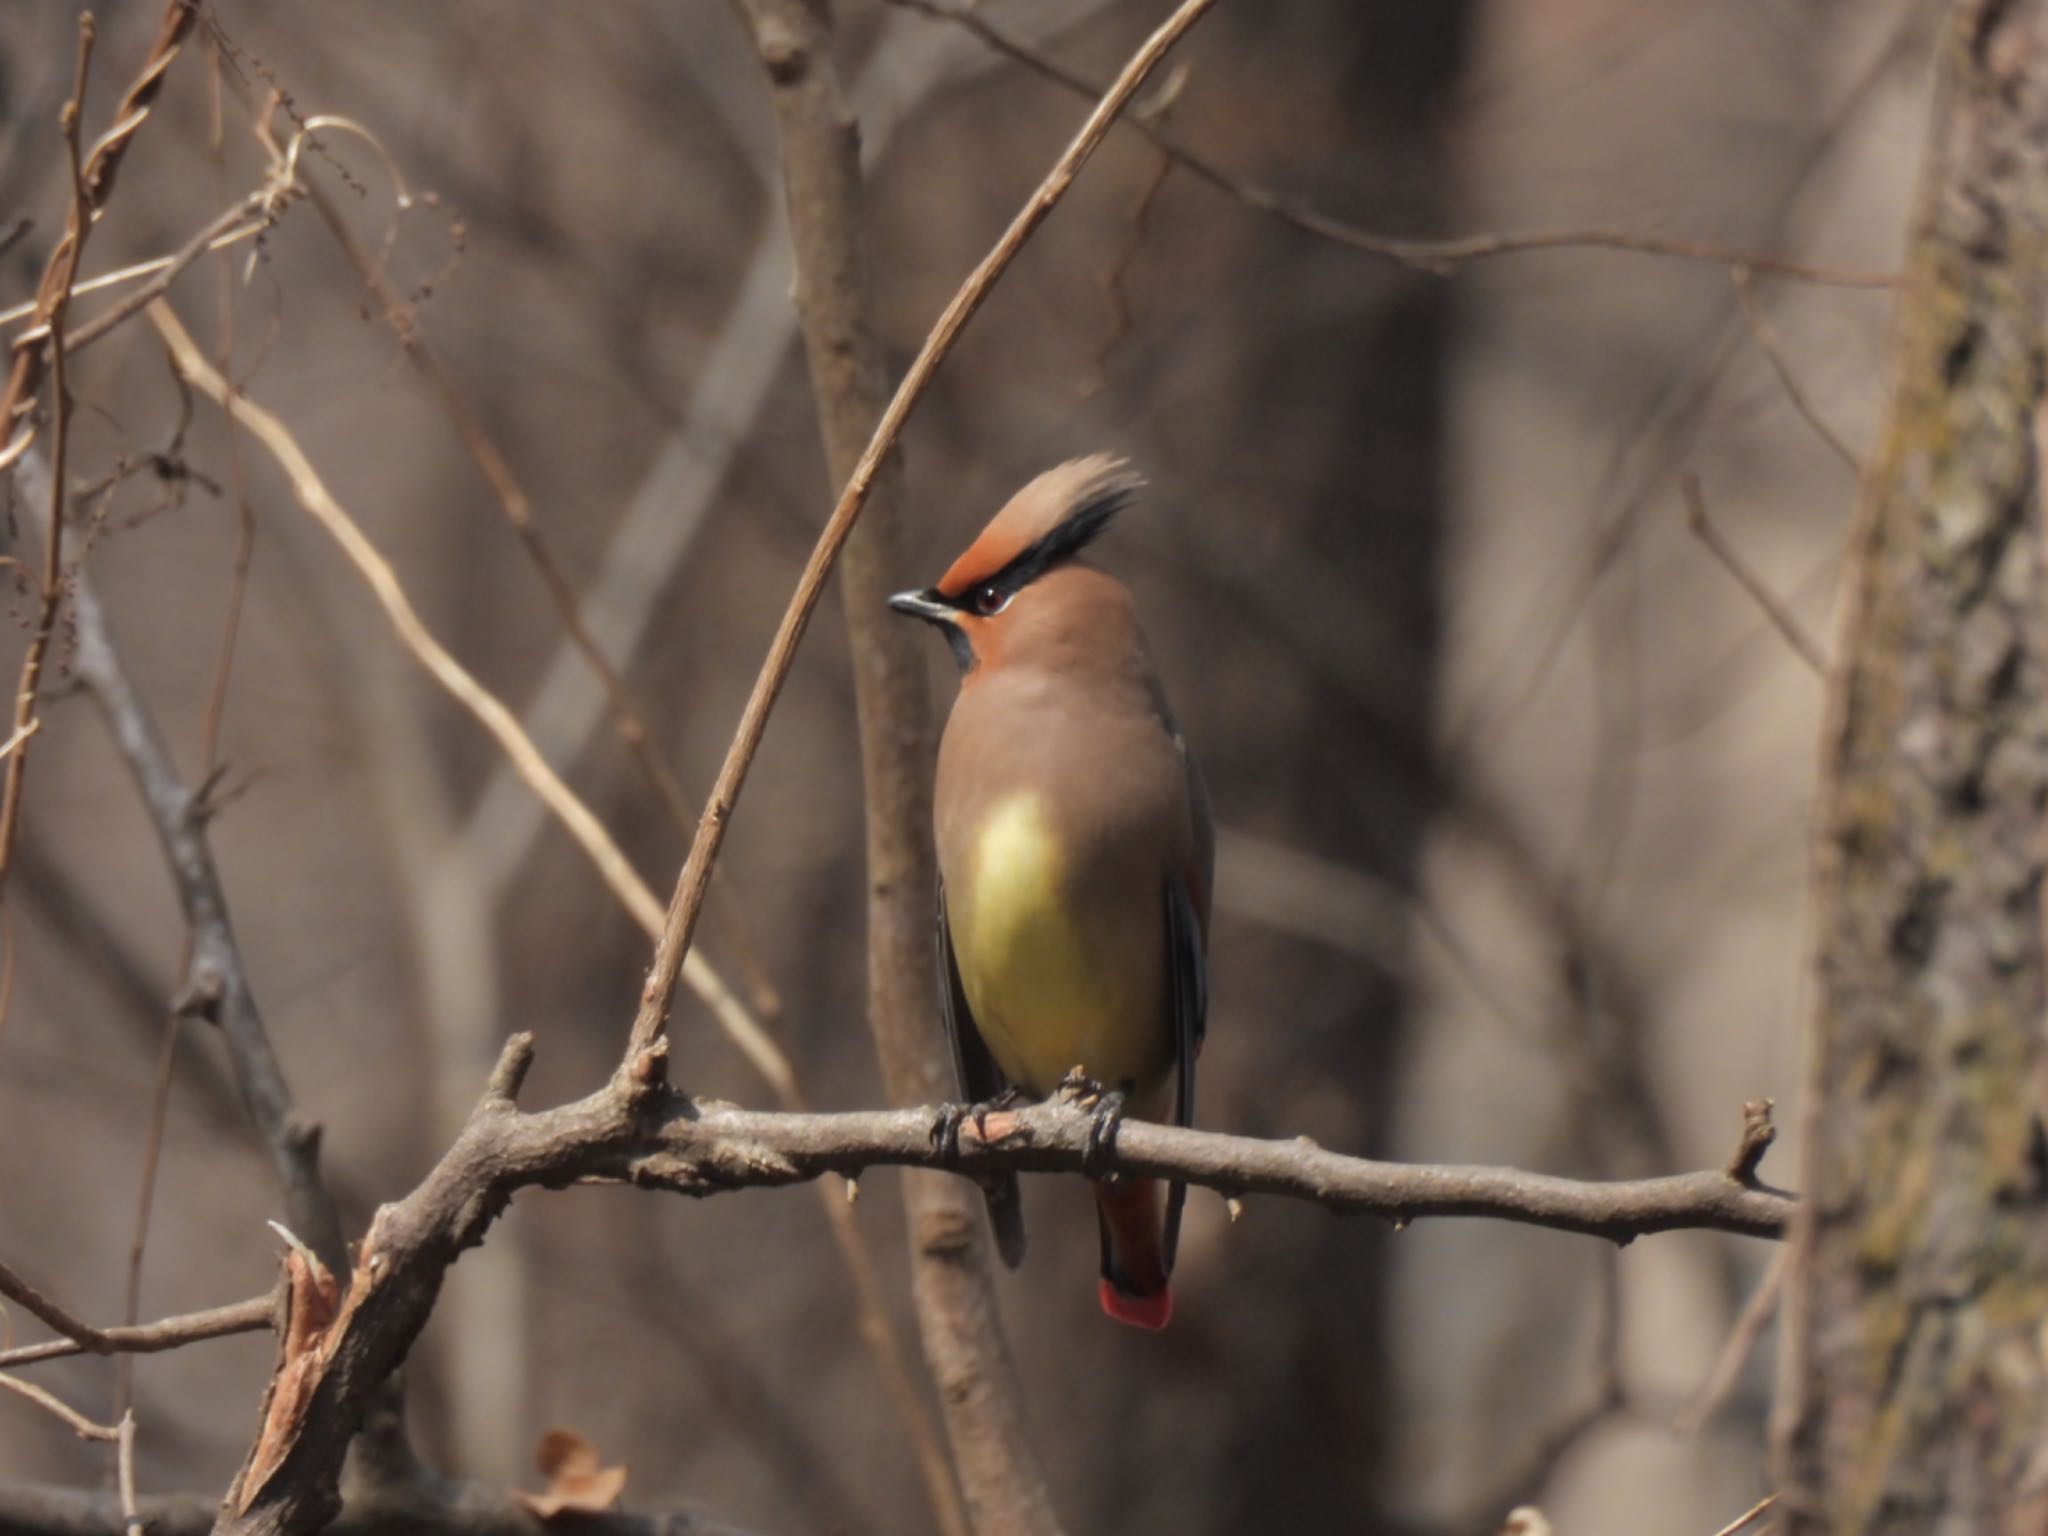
[1131,1215]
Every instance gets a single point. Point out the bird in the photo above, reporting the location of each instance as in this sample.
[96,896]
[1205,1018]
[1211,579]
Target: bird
[1076,855]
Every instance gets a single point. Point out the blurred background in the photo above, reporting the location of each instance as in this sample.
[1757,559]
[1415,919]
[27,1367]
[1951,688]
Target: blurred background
[1512,772]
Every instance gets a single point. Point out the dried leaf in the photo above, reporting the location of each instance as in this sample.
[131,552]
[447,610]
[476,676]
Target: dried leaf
[578,1481]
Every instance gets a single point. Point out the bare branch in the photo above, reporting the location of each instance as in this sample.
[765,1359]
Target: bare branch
[95,181]
[52,304]
[637,1130]
[1766,337]
[251,216]
[1749,1516]
[1750,1323]
[576,817]
[1438,258]
[19,1291]
[50,1403]
[251,1316]
[216,984]
[1803,645]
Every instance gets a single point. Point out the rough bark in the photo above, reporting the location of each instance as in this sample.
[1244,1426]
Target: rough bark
[1915,1380]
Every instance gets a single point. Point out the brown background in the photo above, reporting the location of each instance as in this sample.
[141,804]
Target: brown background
[1513,776]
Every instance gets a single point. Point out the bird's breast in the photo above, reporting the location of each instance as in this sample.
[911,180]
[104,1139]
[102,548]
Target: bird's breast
[1061,969]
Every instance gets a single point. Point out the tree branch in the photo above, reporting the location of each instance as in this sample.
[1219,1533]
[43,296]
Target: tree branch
[637,1130]
[251,1316]
[216,986]
[1438,258]
[94,184]
[19,1291]
[576,817]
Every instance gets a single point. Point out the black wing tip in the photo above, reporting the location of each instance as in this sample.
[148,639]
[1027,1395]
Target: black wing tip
[1006,1219]
[1176,1202]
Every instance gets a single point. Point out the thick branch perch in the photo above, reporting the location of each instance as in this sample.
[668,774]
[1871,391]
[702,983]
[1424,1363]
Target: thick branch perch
[711,1148]
[637,1130]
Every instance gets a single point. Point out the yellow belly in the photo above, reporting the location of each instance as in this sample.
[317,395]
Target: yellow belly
[1053,988]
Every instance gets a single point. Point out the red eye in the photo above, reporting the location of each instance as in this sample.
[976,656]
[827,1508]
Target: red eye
[990,601]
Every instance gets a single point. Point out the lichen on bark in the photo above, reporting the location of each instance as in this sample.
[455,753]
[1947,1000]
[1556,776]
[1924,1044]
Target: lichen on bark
[1916,1373]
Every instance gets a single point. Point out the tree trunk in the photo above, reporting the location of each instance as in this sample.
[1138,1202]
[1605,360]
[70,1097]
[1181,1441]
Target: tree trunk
[1915,1372]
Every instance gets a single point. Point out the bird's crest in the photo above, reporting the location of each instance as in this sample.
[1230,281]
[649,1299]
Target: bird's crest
[1050,521]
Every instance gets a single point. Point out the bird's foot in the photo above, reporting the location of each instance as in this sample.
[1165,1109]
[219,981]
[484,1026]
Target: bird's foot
[1105,1108]
[1079,1088]
[952,1117]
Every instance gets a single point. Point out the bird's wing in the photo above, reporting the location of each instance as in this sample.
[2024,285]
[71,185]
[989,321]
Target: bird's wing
[973,1068]
[1187,971]
[980,1080]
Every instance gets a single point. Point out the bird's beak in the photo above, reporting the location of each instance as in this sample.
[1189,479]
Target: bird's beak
[926,605]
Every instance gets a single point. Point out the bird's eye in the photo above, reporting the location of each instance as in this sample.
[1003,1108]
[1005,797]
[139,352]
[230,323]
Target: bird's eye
[990,601]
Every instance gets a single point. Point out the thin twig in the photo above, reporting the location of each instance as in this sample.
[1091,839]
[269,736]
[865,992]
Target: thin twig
[1755,1316]
[695,878]
[47,1400]
[582,824]
[220,233]
[216,985]
[629,715]
[1749,1516]
[1438,258]
[254,215]
[251,1316]
[655,529]
[19,1291]
[95,183]
[613,866]
[1766,337]
[59,276]
[1804,645]
[124,1473]
[209,740]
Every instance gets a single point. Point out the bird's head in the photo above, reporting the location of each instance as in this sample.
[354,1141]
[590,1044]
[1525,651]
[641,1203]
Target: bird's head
[987,593]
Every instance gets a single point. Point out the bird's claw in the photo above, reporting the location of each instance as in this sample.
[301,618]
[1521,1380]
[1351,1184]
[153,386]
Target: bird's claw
[1008,1099]
[952,1117]
[1079,1088]
[1103,1119]
[946,1132]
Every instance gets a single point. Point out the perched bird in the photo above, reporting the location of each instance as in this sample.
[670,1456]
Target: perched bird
[1075,854]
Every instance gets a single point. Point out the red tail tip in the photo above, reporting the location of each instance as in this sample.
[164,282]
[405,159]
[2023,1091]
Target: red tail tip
[1150,1312]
